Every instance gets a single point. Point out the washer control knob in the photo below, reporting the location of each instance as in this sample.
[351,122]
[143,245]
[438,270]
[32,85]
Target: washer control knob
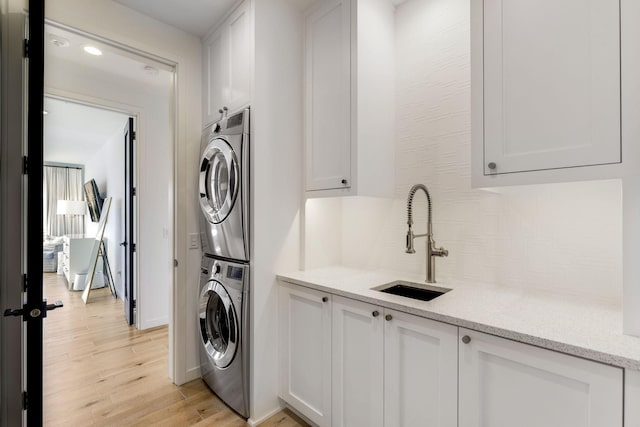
[325,299]
[492,166]
[466,339]
[388,317]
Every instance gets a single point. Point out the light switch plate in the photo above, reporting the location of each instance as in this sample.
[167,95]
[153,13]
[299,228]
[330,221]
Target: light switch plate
[193,241]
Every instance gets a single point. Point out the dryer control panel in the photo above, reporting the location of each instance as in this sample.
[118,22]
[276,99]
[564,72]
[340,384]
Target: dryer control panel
[235,273]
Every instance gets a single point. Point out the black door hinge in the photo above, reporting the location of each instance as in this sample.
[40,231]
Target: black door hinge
[133,303]
[25,48]
[133,247]
[133,191]
[25,400]
[25,165]
[133,136]
[24,283]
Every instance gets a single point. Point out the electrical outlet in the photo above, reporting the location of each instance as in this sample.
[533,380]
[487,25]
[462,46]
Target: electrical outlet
[193,241]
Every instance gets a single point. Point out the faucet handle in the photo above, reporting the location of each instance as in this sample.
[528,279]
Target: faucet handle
[441,252]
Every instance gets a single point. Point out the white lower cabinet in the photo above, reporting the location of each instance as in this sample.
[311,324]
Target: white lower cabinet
[346,363]
[358,358]
[305,358]
[420,372]
[504,384]
[392,369]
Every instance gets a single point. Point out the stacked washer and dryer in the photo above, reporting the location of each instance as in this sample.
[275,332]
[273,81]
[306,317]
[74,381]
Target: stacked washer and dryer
[223,309]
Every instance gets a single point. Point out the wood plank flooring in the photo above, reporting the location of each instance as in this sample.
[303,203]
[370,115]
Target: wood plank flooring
[99,371]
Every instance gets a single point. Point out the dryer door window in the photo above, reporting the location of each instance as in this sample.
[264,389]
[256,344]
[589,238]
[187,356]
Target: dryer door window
[218,324]
[219,180]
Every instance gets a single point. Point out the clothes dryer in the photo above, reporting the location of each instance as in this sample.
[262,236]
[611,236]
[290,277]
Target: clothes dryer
[224,188]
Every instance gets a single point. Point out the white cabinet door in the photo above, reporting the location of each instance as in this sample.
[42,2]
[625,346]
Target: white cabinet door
[328,96]
[503,383]
[216,74]
[305,352]
[228,64]
[420,372]
[240,62]
[551,84]
[357,349]
[631,398]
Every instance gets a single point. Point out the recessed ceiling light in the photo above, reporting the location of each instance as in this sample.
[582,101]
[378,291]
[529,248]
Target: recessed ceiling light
[60,42]
[148,69]
[92,50]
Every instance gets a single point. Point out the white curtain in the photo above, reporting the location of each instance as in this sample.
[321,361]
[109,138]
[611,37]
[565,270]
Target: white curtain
[61,183]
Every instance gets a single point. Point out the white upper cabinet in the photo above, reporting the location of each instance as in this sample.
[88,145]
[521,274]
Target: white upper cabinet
[216,74]
[240,57]
[328,96]
[505,383]
[349,98]
[546,90]
[227,64]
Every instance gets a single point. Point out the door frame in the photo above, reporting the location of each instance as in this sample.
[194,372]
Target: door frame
[124,109]
[177,361]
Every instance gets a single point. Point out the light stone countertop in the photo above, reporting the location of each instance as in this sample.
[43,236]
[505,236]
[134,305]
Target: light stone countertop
[582,327]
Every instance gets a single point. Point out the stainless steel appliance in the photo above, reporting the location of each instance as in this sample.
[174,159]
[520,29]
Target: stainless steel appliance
[224,187]
[224,331]
[223,305]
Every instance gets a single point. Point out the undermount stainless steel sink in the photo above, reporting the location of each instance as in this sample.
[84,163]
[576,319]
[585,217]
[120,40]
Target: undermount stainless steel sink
[412,290]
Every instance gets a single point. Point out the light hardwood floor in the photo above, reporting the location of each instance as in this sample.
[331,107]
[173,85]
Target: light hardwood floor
[100,371]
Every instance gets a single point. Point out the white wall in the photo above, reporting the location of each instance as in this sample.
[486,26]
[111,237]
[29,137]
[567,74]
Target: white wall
[560,237]
[276,185]
[115,22]
[106,166]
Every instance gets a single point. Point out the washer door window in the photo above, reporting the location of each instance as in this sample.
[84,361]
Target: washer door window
[218,324]
[219,180]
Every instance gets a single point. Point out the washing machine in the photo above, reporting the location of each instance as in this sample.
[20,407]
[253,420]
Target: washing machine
[224,324]
[224,187]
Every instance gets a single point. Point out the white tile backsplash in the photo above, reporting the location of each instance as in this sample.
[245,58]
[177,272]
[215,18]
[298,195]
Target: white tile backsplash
[565,237]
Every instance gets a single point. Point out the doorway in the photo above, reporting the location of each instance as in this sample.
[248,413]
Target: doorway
[133,167]
[23,153]
[89,157]
[142,88]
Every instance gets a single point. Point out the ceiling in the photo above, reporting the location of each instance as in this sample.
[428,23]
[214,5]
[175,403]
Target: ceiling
[192,16]
[113,60]
[74,132]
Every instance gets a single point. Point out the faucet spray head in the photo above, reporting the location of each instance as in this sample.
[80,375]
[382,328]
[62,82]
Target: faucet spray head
[410,249]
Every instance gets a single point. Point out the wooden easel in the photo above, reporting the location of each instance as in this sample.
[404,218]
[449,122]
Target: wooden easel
[105,264]
[97,249]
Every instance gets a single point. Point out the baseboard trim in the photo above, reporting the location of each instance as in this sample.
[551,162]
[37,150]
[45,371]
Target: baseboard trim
[152,323]
[255,422]
[298,413]
[192,374]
